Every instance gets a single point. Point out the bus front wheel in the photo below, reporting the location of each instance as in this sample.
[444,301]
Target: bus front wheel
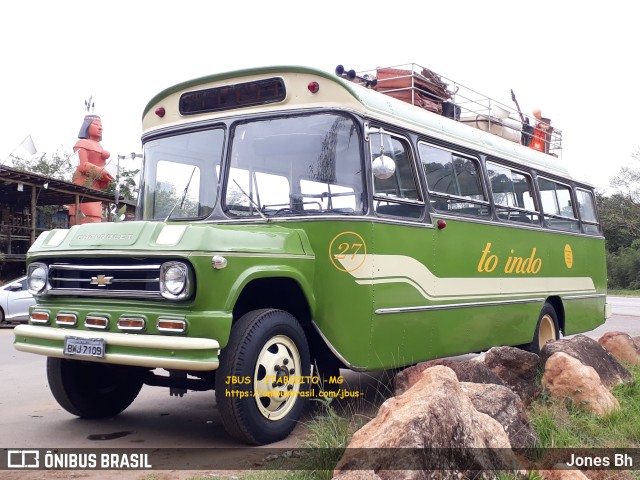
[546,330]
[263,379]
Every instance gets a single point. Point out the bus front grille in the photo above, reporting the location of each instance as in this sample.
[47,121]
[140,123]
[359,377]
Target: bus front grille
[105,280]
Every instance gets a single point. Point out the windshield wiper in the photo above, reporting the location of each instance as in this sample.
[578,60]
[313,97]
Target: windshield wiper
[184,195]
[251,201]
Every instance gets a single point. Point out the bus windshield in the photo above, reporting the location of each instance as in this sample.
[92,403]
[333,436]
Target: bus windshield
[295,166]
[180,178]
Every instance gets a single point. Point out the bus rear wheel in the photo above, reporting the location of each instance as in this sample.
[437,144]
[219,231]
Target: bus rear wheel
[260,385]
[91,389]
[546,330]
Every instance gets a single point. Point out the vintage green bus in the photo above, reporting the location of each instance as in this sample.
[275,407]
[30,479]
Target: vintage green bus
[292,222]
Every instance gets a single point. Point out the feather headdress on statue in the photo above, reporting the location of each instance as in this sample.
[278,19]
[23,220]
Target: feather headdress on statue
[89,117]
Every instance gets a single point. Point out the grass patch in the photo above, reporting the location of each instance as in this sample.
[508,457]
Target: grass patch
[328,434]
[276,475]
[624,293]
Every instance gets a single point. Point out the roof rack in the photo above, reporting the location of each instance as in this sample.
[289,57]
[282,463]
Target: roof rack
[426,89]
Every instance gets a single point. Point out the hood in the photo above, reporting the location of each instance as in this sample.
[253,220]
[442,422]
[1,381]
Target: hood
[148,237]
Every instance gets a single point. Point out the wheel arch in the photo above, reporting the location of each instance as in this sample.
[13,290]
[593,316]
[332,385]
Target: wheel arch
[286,293]
[558,306]
[280,292]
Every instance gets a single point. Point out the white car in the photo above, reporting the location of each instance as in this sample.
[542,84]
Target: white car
[15,301]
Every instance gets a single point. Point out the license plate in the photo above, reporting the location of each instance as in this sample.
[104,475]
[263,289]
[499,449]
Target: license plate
[84,347]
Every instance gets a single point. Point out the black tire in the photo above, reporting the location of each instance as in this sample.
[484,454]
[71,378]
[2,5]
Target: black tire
[263,343]
[546,329]
[1,315]
[91,389]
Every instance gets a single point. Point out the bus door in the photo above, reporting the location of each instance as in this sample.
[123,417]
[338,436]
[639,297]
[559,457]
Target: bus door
[401,251]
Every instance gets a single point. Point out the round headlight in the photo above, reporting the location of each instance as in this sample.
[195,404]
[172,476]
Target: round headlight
[37,277]
[174,280]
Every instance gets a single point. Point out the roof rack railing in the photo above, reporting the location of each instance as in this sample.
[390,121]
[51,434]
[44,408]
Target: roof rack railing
[426,89]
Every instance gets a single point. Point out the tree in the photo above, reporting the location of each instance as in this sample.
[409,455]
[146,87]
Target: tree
[57,165]
[128,186]
[627,182]
[620,212]
[620,220]
[169,201]
[623,267]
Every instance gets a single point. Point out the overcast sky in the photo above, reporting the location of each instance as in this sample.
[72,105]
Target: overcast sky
[576,61]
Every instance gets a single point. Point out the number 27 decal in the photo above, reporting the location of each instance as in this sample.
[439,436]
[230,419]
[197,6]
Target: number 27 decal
[346,248]
[347,251]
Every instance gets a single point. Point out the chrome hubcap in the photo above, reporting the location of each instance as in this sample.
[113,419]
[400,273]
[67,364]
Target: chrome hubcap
[276,381]
[547,331]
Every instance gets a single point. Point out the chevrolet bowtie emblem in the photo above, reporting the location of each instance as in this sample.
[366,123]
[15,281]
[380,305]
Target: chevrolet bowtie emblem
[101,280]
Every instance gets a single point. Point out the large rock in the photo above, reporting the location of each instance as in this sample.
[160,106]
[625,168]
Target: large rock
[592,354]
[465,370]
[357,475]
[517,369]
[503,405]
[567,377]
[621,346]
[561,474]
[435,413]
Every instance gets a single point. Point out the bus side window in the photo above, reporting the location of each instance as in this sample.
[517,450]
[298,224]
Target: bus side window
[512,194]
[454,181]
[559,211]
[587,208]
[398,194]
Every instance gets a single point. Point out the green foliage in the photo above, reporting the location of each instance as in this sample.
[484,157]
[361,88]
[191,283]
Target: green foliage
[168,201]
[271,475]
[623,292]
[56,165]
[624,267]
[620,220]
[515,476]
[329,434]
[627,181]
[128,186]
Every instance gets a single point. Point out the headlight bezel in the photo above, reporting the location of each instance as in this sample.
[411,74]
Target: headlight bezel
[177,270]
[44,278]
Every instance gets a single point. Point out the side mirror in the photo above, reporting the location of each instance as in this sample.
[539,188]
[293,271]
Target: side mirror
[14,287]
[383,167]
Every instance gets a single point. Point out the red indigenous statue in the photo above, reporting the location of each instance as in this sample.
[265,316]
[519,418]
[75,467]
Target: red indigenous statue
[90,171]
